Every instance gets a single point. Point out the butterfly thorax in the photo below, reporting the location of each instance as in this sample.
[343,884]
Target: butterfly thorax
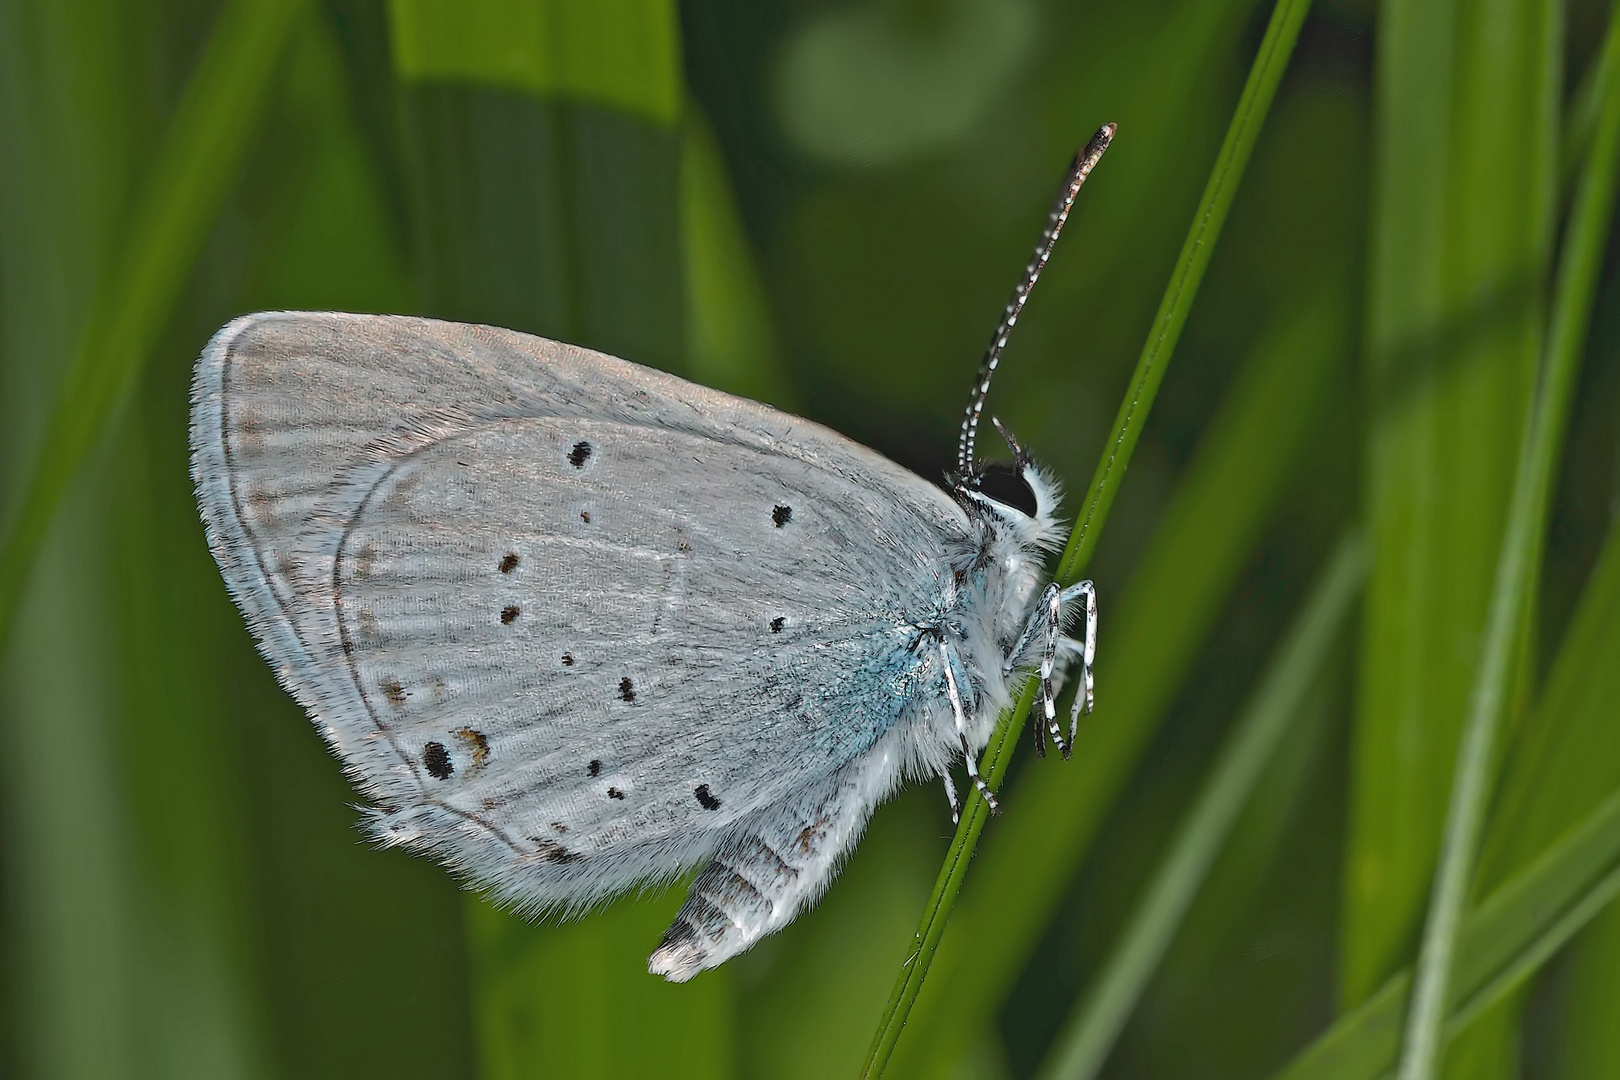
[982,609]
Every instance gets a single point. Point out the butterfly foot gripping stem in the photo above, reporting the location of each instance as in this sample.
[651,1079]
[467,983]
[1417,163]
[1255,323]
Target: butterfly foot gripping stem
[962,728]
[1085,696]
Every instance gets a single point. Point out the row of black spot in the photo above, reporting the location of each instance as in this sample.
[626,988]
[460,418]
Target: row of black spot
[780,515]
[581,453]
[510,613]
[439,766]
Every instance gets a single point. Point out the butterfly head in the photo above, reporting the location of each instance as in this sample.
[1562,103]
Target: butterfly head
[1018,500]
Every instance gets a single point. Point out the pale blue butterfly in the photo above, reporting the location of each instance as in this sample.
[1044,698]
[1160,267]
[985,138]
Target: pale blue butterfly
[573,625]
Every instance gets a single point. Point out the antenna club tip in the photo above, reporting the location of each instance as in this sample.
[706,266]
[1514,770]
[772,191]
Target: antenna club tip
[1090,153]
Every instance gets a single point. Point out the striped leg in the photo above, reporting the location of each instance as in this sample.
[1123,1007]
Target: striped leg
[1085,694]
[1053,603]
[1047,618]
[962,728]
[1060,651]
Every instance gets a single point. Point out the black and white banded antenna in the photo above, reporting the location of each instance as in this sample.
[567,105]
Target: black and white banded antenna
[1084,162]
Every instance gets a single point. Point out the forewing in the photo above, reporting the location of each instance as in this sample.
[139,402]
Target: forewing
[548,603]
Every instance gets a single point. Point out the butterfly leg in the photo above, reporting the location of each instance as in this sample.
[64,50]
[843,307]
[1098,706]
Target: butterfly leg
[1047,617]
[962,728]
[950,794]
[1059,652]
[1085,695]
[774,864]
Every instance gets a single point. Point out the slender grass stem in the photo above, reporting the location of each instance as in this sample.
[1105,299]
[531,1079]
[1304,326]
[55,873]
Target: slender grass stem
[1517,567]
[1504,940]
[1581,119]
[1255,103]
[201,153]
[1081,1049]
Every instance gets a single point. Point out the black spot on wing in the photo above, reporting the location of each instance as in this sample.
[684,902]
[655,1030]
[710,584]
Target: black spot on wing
[437,760]
[568,659]
[615,793]
[781,515]
[706,798]
[509,562]
[627,689]
[509,614]
[551,851]
[580,454]
[594,768]
[777,624]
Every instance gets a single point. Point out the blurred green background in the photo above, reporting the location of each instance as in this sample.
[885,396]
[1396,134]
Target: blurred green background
[822,205]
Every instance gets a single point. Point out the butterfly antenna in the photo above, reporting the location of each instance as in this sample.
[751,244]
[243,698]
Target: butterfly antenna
[1084,162]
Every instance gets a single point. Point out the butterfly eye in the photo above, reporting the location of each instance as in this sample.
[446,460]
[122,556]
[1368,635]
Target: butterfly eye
[1007,486]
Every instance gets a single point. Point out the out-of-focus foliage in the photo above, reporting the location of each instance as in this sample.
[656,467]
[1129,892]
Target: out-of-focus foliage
[823,205]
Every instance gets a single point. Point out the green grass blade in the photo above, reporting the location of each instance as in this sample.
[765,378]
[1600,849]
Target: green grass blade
[1566,761]
[1180,582]
[1250,116]
[1520,563]
[730,342]
[1581,118]
[1258,94]
[1585,1028]
[1458,251]
[202,152]
[64,99]
[1567,758]
[1559,777]
[1501,942]
[1095,1024]
[624,54]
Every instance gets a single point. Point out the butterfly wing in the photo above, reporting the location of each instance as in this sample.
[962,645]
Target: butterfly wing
[565,619]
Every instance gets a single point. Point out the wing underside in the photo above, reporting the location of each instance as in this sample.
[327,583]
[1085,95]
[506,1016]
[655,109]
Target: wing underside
[559,615]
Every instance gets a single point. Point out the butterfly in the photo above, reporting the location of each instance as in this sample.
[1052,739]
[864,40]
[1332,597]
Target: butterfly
[573,625]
